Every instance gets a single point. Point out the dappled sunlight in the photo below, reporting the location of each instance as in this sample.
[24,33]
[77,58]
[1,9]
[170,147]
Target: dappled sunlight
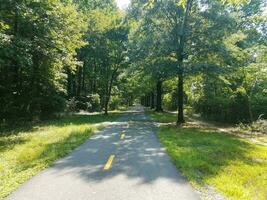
[206,156]
[140,162]
[24,152]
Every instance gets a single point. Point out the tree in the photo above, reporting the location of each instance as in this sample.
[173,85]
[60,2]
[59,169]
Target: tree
[104,58]
[40,38]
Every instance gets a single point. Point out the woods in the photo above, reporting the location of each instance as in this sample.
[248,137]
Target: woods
[215,51]
[206,56]
[128,82]
[55,53]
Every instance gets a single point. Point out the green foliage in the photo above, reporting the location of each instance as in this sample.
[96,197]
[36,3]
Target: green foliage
[53,51]
[94,100]
[163,117]
[220,49]
[39,39]
[114,102]
[90,103]
[104,56]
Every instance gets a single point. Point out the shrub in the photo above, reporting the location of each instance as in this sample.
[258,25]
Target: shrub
[71,105]
[90,103]
[170,101]
[52,104]
[114,102]
[259,126]
[95,102]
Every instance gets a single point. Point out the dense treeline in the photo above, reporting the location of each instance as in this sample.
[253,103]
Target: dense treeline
[214,52]
[54,53]
[207,55]
[38,42]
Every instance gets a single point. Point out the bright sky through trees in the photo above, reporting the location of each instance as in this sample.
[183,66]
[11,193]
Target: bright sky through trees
[123,3]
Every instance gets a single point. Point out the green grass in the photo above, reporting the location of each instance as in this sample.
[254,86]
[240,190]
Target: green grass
[262,139]
[232,165]
[27,150]
[163,117]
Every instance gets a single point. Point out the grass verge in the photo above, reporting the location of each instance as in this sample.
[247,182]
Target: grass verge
[232,165]
[163,117]
[27,150]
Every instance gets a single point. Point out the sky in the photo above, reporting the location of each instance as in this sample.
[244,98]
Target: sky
[123,3]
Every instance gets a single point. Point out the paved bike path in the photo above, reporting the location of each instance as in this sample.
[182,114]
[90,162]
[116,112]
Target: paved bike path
[140,168]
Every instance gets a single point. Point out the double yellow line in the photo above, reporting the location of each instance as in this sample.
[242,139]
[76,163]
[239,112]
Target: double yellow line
[111,157]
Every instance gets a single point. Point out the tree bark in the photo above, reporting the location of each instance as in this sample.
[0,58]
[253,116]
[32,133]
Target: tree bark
[83,80]
[148,100]
[152,100]
[180,58]
[69,85]
[79,77]
[109,88]
[180,119]
[15,62]
[159,97]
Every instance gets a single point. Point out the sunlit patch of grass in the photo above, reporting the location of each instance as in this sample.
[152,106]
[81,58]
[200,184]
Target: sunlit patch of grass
[23,153]
[234,166]
[163,117]
[262,139]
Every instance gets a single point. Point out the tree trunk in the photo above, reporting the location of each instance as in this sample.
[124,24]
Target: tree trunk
[109,88]
[15,62]
[159,97]
[152,100]
[106,97]
[148,100]
[142,101]
[181,34]
[106,106]
[79,77]
[180,119]
[83,81]
[69,85]
[74,86]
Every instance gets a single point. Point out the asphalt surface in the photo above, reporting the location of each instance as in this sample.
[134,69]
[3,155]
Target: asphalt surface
[141,170]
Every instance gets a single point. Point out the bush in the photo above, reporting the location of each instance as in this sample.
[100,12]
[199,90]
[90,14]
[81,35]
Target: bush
[71,105]
[239,105]
[95,102]
[90,103]
[259,126]
[216,108]
[170,101]
[114,103]
[83,105]
[52,104]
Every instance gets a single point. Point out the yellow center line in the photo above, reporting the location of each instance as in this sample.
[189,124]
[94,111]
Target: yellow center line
[122,136]
[109,162]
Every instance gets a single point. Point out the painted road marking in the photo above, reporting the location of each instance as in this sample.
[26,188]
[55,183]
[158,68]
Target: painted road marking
[122,136]
[109,162]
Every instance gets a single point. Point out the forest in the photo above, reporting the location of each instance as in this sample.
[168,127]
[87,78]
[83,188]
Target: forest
[208,57]
[119,83]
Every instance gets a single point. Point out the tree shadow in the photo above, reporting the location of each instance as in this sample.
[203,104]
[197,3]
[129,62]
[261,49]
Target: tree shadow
[8,143]
[76,119]
[140,160]
[139,156]
[202,153]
